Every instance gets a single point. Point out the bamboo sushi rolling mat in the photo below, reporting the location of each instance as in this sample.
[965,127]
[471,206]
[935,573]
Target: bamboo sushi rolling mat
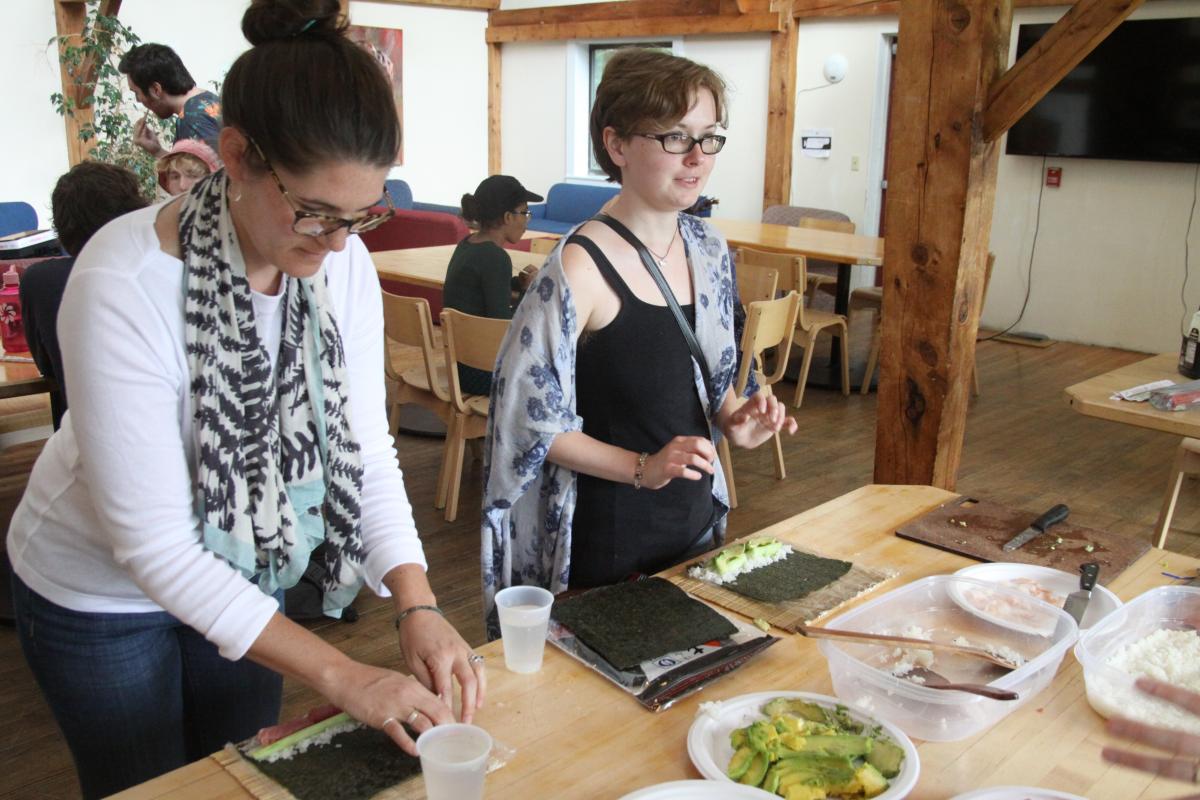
[790,614]
[263,788]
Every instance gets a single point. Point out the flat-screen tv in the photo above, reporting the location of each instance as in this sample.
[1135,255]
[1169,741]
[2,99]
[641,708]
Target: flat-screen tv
[1136,97]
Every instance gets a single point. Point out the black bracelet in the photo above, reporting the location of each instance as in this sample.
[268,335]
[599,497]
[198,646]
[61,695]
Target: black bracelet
[400,617]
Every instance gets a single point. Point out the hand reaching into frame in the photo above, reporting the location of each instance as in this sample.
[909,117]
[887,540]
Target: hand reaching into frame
[436,653]
[1183,763]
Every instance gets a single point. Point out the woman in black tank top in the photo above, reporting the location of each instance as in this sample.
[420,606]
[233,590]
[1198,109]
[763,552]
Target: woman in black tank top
[645,459]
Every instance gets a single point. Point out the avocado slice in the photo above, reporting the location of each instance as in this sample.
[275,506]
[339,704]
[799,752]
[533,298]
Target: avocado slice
[852,746]
[740,763]
[737,738]
[762,736]
[757,771]
[886,756]
[796,707]
[801,792]
[871,781]
[835,774]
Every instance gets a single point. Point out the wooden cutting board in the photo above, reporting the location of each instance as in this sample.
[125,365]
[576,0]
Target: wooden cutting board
[989,525]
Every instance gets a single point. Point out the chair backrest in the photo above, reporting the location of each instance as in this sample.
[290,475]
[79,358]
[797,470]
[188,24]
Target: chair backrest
[769,323]
[402,196]
[407,320]
[756,282]
[544,245]
[575,202]
[793,270]
[791,215]
[471,341]
[16,217]
[836,225]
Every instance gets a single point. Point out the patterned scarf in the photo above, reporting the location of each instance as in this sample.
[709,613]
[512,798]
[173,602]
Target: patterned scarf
[279,469]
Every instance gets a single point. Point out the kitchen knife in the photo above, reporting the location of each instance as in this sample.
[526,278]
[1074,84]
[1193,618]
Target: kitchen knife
[1038,527]
[1077,601]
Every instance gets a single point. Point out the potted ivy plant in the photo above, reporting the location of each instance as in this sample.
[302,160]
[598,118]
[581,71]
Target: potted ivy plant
[105,39]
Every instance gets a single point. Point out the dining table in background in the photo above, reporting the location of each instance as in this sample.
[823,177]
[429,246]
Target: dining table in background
[1093,397]
[19,378]
[577,736]
[426,266]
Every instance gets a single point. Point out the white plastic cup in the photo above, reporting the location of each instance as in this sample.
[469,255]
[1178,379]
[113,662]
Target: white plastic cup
[524,613]
[454,761]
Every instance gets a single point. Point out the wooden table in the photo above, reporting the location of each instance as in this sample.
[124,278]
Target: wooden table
[577,736]
[1093,397]
[426,266]
[18,379]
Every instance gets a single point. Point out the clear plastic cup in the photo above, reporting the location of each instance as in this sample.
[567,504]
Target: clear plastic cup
[524,613]
[454,761]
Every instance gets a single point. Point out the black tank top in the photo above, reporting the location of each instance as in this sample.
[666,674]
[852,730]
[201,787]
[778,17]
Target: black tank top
[635,389]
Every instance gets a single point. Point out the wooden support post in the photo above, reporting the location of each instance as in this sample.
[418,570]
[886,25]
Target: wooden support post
[69,19]
[941,189]
[493,108]
[781,114]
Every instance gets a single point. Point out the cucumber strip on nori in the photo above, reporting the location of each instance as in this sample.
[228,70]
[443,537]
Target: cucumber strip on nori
[354,765]
[628,623]
[791,578]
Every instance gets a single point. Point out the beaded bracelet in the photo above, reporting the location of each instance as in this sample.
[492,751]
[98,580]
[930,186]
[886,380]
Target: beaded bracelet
[640,472]
[400,617]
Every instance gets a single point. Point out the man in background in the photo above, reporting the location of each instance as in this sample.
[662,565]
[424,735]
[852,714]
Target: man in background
[86,198]
[163,85]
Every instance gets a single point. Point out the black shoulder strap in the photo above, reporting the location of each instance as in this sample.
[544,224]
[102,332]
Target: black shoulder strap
[689,335]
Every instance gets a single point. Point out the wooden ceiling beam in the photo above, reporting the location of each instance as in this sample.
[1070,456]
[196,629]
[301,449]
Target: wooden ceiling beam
[629,10]
[648,26]
[474,5]
[873,8]
[1067,43]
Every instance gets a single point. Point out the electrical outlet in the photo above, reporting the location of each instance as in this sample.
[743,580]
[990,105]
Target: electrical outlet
[854,163]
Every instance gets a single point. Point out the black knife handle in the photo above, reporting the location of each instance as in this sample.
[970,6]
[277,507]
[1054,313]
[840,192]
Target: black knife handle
[1088,574]
[1051,517]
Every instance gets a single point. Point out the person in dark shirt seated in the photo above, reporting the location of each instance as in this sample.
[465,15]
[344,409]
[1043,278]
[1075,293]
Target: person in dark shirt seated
[84,200]
[479,279]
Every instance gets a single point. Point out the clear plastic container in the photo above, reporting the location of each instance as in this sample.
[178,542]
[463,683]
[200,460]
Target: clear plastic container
[1110,690]
[945,608]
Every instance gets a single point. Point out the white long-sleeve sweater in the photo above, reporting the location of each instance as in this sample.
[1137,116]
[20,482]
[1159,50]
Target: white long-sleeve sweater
[107,523]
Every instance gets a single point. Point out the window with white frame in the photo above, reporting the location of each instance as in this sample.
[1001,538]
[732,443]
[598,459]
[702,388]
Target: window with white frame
[587,61]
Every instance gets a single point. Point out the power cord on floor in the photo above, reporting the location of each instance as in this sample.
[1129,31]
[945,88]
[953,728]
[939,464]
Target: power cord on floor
[1187,256]
[1037,225]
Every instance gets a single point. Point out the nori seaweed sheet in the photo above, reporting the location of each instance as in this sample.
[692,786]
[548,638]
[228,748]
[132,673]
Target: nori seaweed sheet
[789,578]
[354,765]
[628,623]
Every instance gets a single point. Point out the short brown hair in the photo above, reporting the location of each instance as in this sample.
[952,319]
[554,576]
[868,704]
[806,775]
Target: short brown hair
[89,196]
[643,87]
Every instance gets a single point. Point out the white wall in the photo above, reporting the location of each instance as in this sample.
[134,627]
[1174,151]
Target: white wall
[534,115]
[445,83]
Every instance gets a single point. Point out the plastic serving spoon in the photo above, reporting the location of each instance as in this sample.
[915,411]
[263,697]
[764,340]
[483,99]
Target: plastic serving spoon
[885,639]
[933,680]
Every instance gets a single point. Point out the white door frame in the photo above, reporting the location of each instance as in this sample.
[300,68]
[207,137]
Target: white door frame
[862,275]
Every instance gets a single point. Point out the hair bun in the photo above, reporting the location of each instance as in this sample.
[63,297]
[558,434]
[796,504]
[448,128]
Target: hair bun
[273,20]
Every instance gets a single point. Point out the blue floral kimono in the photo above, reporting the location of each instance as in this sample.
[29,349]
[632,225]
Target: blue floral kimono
[528,502]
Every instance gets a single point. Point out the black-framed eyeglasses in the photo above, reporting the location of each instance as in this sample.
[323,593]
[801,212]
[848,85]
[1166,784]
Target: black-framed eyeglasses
[309,223]
[527,214]
[679,143]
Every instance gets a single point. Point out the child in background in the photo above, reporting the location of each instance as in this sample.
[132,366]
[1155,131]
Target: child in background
[187,162]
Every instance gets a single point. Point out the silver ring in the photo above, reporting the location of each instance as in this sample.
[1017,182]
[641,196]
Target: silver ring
[411,718]
[386,721]
[475,658]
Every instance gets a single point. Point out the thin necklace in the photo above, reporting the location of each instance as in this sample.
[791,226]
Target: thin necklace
[662,260]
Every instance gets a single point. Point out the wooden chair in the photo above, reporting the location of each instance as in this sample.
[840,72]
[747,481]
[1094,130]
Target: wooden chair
[1187,462]
[870,298]
[756,282]
[793,272]
[474,342]
[822,275]
[543,244]
[407,321]
[769,324]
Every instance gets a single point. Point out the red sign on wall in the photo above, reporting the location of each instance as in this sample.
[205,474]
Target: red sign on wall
[1054,176]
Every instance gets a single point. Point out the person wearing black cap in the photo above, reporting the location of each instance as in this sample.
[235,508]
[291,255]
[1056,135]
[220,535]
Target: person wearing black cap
[479,279]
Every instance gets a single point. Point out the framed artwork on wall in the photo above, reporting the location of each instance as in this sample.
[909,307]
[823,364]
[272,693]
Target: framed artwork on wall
[386,45]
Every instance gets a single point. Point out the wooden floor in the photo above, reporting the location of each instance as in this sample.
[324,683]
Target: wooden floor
[1025,447]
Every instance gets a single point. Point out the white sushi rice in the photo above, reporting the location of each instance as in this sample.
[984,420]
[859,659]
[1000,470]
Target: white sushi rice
[322,738]
[701,572]
[1172,656]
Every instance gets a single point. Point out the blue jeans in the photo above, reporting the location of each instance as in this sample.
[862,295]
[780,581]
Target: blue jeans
[137,695]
